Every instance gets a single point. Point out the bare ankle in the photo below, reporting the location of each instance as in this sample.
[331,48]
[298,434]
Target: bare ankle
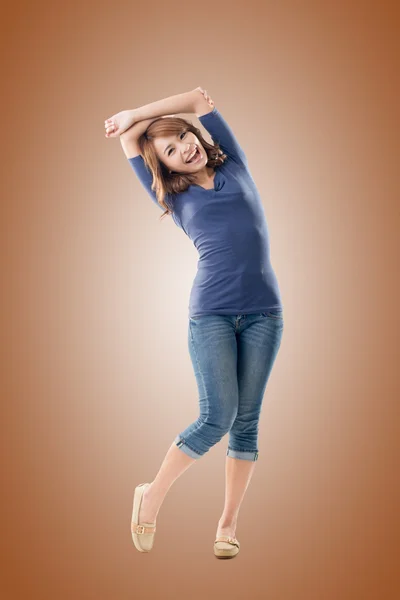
[226,522]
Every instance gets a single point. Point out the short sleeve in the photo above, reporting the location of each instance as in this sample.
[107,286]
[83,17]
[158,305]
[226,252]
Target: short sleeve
[222,134]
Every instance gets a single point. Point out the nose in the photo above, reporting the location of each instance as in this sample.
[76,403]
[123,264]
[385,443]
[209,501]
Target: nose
[186,152]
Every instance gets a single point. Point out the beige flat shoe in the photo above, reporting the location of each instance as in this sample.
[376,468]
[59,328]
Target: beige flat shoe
[226,547]
[142,533]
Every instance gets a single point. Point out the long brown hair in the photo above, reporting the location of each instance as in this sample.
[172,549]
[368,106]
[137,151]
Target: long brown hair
[165,182]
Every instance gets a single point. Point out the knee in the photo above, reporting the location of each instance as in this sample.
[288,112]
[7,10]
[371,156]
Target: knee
[242,425]
[224,422]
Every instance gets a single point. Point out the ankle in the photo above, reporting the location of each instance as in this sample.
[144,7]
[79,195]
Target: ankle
[227,523]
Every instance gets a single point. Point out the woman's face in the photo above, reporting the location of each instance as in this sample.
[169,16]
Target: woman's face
[174,151]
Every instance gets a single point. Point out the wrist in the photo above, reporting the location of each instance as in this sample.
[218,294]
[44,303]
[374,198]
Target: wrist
[131,116]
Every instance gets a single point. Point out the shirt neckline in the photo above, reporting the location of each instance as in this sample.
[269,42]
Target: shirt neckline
[213,189]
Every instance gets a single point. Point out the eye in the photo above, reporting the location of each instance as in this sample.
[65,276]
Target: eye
[183,133]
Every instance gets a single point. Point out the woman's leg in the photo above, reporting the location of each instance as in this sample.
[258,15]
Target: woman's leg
[174,464]
[238,473]
[213,351]
[259,338]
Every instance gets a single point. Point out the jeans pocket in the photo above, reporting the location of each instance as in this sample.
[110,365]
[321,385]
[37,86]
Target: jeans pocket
[274,313]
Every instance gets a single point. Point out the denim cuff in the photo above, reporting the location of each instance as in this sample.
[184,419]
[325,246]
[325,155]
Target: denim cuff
[185,448]
[243,455]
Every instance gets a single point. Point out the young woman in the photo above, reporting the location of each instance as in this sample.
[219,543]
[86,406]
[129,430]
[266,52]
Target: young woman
[235,311]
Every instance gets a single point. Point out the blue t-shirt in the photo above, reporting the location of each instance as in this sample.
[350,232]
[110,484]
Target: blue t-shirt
[227,225]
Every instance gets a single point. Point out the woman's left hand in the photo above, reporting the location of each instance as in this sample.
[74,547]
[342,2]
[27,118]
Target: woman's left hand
[118,123]
[206,96]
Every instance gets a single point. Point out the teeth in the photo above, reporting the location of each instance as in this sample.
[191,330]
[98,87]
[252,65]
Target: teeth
[191,156]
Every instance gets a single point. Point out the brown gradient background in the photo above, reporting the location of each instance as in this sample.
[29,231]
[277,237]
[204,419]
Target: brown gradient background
[96,375]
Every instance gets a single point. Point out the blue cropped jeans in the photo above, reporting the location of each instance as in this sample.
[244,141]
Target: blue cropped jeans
[232,356]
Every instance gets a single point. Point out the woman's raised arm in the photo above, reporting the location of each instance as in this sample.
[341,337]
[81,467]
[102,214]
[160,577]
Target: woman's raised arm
[129,139]
[180,103]
[195,101]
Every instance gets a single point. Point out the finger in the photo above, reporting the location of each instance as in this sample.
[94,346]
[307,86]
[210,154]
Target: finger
[207,97]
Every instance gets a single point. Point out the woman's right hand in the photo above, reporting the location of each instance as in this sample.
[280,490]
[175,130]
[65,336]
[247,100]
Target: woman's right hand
[118,123]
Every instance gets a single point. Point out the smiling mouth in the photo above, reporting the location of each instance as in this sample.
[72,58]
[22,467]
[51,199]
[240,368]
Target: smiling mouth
[195,157]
